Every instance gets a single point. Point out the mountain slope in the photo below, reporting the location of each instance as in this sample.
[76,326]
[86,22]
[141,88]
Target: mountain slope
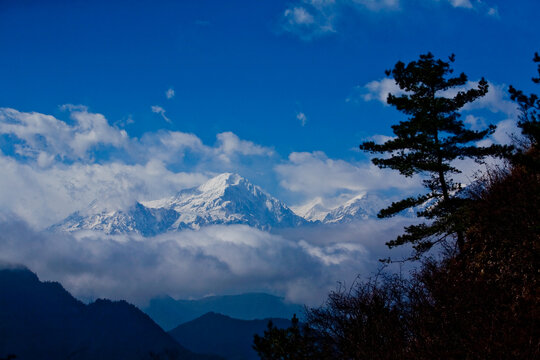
[41,320]
[361,207]
[136,219]
[168,312]
[222,335]
[225,199]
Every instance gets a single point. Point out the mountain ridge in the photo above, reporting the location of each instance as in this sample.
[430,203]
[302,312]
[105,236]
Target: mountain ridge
[225,199]
[41,320]
[221,335]
[168,312]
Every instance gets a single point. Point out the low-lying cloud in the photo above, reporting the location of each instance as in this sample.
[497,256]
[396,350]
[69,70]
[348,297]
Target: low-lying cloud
[301,265]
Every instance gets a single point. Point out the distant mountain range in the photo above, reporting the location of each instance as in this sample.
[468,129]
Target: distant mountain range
[168,312]
[41,320]
[225,199]
[360,207]
[222,335]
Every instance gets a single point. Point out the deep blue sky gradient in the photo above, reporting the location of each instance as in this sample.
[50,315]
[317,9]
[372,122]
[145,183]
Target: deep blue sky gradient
[234,68]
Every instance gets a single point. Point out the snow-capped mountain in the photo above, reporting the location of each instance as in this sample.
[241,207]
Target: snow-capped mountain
[226,199]
[135,219]
[360,207]
[314,210]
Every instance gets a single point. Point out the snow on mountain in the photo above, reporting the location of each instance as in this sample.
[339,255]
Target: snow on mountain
[136,219]
[226,199]
[314,210]
[361,207]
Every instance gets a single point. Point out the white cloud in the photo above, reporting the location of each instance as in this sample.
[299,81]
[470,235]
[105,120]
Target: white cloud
[380,139]
[506,132]
[310,19]
[53,169]
[299,16]
[378,5]
[375,90]
[496,100]
[217,259]
[300,116]
[169,93]
[475,122]
[493,11]
[461,3]
[229,145]
[43,196]
[159,110]
[479,6]
[315,175]
[44,137]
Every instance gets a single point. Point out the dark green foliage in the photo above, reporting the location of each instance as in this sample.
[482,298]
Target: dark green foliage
[529,106]
[293,343]
[364,323]
[428,142]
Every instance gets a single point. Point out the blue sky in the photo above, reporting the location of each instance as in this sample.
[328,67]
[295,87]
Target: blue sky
[240,66]
[135,100]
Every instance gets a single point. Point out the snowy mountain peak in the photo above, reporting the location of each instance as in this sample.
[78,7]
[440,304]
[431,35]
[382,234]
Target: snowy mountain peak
[362,206]
[225,199]
[314,210]
[221,182]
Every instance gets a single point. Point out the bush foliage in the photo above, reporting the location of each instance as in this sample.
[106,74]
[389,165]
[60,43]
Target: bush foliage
[482,302]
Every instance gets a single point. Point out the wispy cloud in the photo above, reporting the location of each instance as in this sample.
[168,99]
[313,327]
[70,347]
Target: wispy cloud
[378,5]
[300,116]
[479,6]
[375,90]
[310,18]
[169,93]
[461,3]
[159,110]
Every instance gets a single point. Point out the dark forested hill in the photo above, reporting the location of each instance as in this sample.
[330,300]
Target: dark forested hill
[41,320]
[168,312]
[222,335]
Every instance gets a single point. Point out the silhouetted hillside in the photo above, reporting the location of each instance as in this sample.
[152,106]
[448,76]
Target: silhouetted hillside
[41,320]
[222,335]
[168,312]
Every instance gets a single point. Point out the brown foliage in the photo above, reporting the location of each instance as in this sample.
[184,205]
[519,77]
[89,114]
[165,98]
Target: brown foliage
[483,303]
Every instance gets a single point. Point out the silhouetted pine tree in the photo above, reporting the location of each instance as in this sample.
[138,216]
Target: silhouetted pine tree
[428,142]
[529,120]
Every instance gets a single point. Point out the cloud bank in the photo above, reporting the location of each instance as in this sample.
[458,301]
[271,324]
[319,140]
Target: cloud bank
[303,266]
